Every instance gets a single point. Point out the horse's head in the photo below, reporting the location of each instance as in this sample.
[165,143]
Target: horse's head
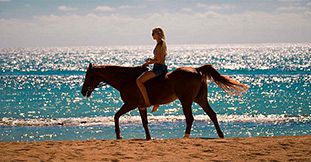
[91,81]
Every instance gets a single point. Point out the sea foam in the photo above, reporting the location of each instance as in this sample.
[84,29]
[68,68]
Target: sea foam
[89,121]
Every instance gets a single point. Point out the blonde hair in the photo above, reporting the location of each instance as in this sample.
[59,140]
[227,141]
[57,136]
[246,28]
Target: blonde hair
[160,32]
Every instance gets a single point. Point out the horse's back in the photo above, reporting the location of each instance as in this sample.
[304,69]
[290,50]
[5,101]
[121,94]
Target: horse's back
[181,74]
[187,82]
[184,73]
[167,87]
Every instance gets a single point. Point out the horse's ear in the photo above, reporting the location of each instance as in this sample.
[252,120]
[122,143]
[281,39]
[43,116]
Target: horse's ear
[90,66]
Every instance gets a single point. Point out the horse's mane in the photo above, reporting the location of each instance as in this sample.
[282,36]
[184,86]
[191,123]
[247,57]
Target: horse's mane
[134,71]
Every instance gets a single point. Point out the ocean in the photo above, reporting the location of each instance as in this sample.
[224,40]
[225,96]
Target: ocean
[41,100]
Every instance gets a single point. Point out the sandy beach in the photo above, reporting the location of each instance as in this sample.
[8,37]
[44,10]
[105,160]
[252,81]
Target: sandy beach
[286,148]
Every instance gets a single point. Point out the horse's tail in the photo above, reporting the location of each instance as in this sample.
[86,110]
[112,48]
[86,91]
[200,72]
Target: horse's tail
[226,83]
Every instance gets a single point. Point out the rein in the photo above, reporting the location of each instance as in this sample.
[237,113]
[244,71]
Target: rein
[101,84]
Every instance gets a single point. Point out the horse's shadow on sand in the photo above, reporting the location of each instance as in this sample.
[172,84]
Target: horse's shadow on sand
[205,138]
[155,139]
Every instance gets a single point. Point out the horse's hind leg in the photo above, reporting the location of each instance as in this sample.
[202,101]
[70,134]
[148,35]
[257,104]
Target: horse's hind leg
[124,109]
[210,112]
[143,115]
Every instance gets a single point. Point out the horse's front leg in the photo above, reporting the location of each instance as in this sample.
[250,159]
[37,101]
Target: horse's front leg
[189,117]
[124,109]
[143,115]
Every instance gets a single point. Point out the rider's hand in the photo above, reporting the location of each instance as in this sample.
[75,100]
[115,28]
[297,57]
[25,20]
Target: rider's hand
[145,64]
[148,59]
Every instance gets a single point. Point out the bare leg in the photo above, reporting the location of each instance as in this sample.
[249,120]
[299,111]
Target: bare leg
[124,109]
[143,115]
[155,108]
[140,83]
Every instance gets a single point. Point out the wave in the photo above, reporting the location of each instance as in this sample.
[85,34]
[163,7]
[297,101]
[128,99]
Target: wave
[90,121]
[225,70]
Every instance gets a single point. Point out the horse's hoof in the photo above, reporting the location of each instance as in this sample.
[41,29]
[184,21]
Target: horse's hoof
[119,138]
[187,136]
[221,135]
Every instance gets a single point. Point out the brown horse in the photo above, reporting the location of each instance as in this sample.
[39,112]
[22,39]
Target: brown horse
[185,83]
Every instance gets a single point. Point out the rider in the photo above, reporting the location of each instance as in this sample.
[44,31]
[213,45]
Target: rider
[159,66]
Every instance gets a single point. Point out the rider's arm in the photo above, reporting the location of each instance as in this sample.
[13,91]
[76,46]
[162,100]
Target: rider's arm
[159,54]
[148,61]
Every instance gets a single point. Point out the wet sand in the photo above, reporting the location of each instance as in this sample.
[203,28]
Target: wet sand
[287,148]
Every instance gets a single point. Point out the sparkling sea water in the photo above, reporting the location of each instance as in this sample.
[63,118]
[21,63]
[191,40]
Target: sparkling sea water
[41,99]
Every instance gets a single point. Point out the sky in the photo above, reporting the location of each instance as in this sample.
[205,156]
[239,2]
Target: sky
[50,23]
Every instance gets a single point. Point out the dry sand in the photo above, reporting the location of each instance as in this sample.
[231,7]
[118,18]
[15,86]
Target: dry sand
[287,148]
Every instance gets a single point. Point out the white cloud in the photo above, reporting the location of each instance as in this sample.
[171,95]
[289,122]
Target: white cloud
[66,9]
[220,7]
[308,4]
[5,0]
[104,9]
[186,10]
[291,9]
[202,5]
[290,1]
[126,7]
[209,14]
[130,7]
[207,27]
[308,13]
[215,6]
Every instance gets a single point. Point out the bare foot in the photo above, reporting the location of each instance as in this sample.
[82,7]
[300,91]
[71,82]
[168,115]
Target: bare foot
[155,108]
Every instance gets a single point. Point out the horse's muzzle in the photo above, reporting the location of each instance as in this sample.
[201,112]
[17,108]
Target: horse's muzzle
[86,93]
[83,93]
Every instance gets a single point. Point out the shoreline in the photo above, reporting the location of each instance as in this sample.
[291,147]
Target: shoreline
[278,148]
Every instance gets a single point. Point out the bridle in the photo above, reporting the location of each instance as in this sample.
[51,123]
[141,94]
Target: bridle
[101,84]
[90,89]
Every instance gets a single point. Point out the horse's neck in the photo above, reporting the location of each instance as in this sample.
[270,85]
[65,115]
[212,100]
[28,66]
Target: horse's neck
[116,76]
